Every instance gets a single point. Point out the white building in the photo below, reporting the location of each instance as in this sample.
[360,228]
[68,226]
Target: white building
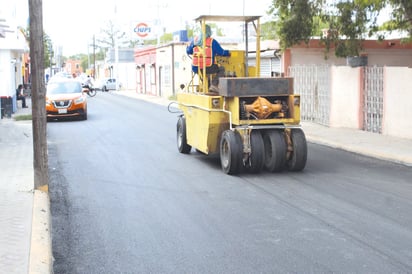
[12,47]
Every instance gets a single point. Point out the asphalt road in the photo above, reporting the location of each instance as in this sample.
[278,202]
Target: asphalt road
[125,201]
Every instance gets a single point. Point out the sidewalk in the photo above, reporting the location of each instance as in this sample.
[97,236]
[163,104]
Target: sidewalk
[25,241]
[25,245]
[397,150]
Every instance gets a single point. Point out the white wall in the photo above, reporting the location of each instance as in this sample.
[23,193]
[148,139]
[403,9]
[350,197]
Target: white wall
[127,75]
[389,57]
[376,57]
[397,116]
[346,110]
[181,65]
[345,88]
[7,74]
[306,56]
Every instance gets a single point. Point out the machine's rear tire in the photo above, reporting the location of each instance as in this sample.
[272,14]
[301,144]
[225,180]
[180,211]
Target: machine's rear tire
[275,150]
[231,152]
[299,154]
[257,155]
[182,145]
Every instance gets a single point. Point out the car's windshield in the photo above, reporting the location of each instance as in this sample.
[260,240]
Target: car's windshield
[64,87]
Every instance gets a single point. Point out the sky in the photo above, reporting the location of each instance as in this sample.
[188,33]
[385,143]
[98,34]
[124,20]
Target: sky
[72,24]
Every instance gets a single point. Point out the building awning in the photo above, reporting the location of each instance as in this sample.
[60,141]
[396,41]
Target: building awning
[3,28]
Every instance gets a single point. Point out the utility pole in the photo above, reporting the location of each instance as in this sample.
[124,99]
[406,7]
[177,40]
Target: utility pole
[39,123]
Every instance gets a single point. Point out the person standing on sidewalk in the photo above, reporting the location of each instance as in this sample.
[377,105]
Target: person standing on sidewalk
[21,96]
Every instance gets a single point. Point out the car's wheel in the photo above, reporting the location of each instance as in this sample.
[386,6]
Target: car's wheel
[298,157]
[104,88]
[231,152]
[257,155]
[182,145]
[275,150]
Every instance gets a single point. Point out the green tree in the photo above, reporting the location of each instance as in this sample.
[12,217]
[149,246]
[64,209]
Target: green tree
[48,45]
[166,38]
[401,17]
[48,51]
[294,20]
[84,62]
[268,31]
[109,35]
[350,24]
[347,22]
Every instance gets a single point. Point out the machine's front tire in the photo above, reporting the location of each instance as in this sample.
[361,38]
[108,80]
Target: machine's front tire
[257,155]
[275,150]
[182,145]
[92,92]
[298,157]
[231,152]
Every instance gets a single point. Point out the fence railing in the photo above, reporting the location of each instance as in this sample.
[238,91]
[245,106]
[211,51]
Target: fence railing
[312,82]
[373,81]
[313,85]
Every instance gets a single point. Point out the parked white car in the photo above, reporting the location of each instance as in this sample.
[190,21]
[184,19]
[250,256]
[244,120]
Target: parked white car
[107,84]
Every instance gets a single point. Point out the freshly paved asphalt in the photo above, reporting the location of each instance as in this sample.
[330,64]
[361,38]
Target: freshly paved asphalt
[25,241]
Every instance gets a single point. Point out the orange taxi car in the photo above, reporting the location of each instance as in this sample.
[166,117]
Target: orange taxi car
[65,99]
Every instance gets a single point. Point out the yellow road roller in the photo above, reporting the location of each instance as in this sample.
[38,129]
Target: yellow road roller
[252,122]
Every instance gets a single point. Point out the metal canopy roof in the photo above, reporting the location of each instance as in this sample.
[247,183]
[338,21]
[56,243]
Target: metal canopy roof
[227,18]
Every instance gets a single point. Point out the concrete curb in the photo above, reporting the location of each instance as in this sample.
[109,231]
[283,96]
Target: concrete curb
[381,155]
[41,261]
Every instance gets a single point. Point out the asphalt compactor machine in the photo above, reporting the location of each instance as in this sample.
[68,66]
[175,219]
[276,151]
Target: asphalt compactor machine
[253,123]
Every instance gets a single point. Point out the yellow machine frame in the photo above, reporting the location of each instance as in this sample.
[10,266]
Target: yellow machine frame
[254,109]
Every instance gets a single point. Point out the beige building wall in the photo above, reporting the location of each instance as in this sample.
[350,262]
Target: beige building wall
[345,95]
[397,118]
[164,66]
[346,108]
[376,57]
[389,57]
[315,56]
[183,67]
[174,68]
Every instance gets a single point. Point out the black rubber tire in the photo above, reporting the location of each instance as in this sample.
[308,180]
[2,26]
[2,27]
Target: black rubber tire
[275,150]
[104,88]
[92,92]
[297,161]
[257,155]
[231,152]
[182,145]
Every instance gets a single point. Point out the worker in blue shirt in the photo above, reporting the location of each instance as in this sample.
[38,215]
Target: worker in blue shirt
[207,56]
